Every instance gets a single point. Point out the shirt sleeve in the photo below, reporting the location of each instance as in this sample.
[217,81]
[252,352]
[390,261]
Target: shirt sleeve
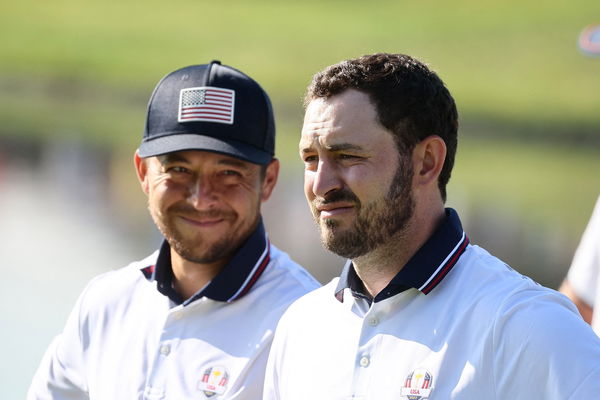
[61,373]
[584,272]
[544,350]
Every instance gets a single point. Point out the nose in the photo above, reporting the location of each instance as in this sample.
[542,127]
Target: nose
[325,179]
[202,194]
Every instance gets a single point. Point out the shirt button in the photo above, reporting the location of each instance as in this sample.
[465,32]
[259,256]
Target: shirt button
[373,321]
[364,361]
[165,349]
[151,393]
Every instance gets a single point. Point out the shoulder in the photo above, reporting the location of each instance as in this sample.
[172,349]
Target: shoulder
[480,275]
[303,324]
[540,314]
[288,275]
[310,320]
[527,319]
[539,332]
[282,282]
[116,285]
[485,287]
[317,305]
[529,332]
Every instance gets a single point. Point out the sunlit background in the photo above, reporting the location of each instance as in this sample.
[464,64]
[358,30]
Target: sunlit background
[75,77]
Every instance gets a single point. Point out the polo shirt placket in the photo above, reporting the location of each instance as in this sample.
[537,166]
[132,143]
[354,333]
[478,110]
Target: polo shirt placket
[233,282]
[424,271]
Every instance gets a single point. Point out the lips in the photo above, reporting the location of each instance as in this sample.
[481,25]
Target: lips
[202,221]
[201,218]
[330,210]
[336,203]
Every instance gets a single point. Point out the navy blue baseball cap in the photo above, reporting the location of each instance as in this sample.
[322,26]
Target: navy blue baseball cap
[210,107]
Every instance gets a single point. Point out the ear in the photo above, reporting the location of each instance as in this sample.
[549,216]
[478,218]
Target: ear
[428,158]
[141,168]
[270,180]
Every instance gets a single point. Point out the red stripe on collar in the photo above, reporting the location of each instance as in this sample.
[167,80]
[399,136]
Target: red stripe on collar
[258,270]
[446,268]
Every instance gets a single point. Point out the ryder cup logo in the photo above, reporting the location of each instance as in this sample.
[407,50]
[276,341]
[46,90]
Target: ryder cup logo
[418,385]
[214,381]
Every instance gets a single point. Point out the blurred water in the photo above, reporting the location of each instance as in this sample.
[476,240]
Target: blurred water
[63,221]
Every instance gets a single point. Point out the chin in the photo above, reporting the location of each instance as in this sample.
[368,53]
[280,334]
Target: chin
[329,236]
[333,225]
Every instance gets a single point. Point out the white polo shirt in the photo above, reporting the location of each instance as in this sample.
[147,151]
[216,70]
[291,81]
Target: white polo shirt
[455,323]
[584,274]
[126,340]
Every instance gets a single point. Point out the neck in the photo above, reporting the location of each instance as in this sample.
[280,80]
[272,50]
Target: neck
[189,277]
[377,268]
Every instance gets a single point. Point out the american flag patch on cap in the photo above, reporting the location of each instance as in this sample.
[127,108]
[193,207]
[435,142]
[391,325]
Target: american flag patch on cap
[209,104]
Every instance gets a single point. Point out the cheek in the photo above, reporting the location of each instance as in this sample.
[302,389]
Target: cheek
[165,193]
[368,184]
[239,196]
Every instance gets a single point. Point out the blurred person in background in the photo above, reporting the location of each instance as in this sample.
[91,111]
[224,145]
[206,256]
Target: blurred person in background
[418,312]
[582,284]
[196,318]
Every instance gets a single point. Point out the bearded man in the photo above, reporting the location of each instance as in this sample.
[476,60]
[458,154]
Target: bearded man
[418,312]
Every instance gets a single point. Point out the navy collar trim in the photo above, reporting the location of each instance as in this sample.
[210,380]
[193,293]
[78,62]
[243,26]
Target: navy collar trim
[424,271]
[233,281]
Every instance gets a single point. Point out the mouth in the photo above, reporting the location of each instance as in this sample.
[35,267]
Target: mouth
[332,210]
[202,222]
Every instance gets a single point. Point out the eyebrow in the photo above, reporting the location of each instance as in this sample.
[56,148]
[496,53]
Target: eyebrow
[336,147]
[172,157]
[234,162]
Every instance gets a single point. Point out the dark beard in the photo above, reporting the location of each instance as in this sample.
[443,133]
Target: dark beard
[220,250]
[187,248]
[375,223]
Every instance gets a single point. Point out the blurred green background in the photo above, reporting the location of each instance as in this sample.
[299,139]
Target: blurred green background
[77,74]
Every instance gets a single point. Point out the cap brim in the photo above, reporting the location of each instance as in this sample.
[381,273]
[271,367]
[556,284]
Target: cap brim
[181,142]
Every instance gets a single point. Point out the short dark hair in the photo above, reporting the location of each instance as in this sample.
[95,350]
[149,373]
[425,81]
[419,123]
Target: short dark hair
[411,100]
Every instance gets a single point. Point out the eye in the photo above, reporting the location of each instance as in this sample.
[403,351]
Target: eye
[310,158]
[349,157]
[231,172]
[178,170]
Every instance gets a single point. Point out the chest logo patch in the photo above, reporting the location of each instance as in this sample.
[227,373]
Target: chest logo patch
[214,381]
[418,385]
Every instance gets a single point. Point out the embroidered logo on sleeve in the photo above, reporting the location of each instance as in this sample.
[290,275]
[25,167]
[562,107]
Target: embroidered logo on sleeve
[418,385]
[214,381]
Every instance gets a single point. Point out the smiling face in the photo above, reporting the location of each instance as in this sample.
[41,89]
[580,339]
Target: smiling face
[357,185]
[205,204]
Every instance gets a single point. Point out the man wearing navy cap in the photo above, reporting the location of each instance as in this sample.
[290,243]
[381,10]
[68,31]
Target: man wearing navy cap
[195,319]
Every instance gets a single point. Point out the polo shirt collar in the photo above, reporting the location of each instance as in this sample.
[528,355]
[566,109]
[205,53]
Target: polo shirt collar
[232,282]
[426,268]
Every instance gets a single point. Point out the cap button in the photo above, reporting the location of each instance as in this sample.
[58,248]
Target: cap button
[215,62]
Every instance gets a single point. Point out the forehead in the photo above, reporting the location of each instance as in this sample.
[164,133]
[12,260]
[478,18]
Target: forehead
[347,117]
